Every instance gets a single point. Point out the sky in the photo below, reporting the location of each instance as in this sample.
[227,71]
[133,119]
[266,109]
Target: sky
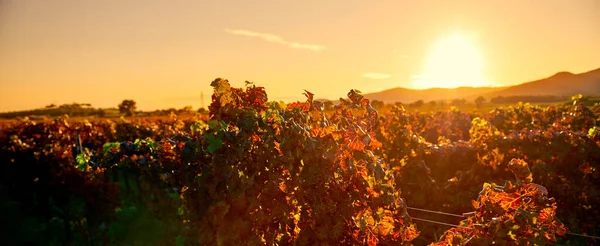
[164,54]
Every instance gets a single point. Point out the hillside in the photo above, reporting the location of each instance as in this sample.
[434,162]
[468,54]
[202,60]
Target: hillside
[409,95]
[560,84]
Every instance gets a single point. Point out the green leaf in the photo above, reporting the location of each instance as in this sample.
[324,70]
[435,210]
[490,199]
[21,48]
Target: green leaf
[214,143]
[199,126]
[593,131]
[179,241]
[107,146]
[151,144]
[81,167]
[82,161]
[223,125]
[137,143]
[213,124]
[174,196]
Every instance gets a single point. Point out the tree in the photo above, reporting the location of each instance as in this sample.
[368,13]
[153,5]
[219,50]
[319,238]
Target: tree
[127,107]
[377,104]
[432,103]
[479,101]
[186,109]
[418,104]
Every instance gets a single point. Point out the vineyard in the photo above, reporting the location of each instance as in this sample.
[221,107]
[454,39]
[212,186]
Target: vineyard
[259,172]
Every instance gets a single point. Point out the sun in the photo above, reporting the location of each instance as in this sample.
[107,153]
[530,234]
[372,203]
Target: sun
[453,62]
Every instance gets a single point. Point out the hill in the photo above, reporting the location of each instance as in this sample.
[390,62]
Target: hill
[561,84]
[409,95]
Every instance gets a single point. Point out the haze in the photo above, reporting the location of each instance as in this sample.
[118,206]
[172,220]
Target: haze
[165,53]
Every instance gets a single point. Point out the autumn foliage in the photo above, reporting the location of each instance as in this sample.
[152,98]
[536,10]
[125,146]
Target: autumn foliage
[261,172]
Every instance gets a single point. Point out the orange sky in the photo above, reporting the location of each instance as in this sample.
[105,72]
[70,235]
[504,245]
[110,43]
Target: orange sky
[164,53]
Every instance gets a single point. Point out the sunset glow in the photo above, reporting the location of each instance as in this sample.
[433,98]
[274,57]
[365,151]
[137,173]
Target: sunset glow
[164,54]
[453,61]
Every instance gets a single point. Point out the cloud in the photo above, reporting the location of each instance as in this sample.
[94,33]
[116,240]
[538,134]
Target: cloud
[276,39]
[418,76]
[376,75]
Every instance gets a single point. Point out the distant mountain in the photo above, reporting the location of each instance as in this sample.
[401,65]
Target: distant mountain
[560,84]
[405,95]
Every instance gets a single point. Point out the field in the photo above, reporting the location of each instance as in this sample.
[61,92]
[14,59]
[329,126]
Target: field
[256,172]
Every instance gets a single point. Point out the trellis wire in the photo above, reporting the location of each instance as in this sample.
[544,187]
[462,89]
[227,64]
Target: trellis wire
[462,216]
